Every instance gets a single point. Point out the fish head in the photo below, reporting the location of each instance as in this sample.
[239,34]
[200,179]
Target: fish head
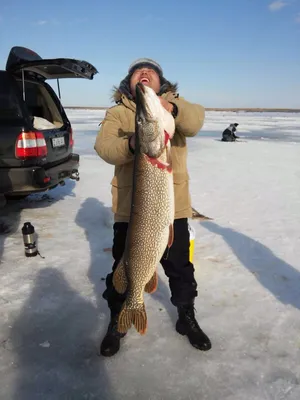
[154,124]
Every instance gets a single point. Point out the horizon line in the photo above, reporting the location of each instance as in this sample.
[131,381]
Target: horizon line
[232,109]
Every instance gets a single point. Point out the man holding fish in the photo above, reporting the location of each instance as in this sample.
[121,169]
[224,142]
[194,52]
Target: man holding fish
[144,137]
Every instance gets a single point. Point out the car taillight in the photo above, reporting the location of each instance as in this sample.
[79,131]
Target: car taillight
[71,141]
[31,144]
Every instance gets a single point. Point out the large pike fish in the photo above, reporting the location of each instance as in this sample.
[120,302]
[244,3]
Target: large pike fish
[150,229]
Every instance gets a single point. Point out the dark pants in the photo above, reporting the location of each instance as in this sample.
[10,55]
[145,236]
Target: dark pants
[228,136]
[175,262]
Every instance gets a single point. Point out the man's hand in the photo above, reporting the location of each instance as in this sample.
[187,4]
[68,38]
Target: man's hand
[168,106]
[132,142]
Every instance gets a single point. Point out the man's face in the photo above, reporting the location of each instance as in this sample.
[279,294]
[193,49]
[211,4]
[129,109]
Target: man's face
[147,76]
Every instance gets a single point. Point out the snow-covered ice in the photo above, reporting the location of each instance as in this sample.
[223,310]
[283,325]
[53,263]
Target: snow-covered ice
[247,267]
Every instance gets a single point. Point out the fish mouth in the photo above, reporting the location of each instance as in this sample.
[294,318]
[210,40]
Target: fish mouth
[141,110]
[140,87]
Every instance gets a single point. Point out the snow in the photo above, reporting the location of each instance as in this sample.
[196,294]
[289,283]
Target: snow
[263,126]
[247,268]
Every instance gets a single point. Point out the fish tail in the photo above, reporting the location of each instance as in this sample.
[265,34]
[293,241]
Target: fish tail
[151,286]
[120,282]
[136,317]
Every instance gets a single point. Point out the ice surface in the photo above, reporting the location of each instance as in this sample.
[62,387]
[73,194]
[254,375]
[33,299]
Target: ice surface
[247,267]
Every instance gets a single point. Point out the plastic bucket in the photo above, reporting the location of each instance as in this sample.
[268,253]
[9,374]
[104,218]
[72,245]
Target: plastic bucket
[192,243]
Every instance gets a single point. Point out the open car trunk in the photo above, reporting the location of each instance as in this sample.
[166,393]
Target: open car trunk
[43,109]
[22,59]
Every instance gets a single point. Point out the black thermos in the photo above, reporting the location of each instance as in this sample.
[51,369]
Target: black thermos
[29,240]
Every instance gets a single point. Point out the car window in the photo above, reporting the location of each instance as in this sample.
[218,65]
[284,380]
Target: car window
[41,106]
[9,107]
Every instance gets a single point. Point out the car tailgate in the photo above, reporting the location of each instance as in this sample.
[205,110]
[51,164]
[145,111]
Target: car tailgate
[59,145]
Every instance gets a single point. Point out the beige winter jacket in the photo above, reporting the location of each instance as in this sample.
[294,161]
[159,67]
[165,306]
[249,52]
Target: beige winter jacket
[112,146]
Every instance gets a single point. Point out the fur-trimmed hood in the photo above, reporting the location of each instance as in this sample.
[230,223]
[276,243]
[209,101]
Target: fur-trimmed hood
[124,89]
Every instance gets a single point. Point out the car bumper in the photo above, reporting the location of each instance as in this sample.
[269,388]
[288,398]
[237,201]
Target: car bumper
[36,178]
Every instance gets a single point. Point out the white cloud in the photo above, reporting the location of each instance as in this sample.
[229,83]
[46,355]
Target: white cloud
[152,18]
[277,5]
[55,21]
[79,20]
[42,22]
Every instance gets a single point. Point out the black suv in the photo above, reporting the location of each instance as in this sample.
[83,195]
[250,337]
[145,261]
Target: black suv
[36,140]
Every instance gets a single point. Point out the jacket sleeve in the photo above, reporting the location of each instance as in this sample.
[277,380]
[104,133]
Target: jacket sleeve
[110,146]
[190,117]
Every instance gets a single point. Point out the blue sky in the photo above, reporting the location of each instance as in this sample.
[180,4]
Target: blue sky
[222,53]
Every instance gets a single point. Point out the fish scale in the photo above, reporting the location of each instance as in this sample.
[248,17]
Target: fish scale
[150,228]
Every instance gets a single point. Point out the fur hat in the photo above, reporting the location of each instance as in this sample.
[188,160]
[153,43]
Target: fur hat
[146,63]
[124,87]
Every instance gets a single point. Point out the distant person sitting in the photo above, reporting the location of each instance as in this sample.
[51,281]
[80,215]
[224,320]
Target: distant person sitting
[228,135]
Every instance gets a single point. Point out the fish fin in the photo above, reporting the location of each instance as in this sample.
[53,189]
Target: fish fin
[169,157]
[119,278]
[151,286]
[137,317]
[171,235]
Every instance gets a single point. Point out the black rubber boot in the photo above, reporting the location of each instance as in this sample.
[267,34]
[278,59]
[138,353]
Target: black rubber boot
[188,325]
[111,342]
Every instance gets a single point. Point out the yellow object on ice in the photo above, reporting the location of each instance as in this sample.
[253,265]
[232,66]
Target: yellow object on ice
[192,242]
